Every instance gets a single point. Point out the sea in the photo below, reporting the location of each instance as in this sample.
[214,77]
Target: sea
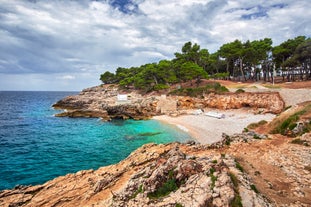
[36,146]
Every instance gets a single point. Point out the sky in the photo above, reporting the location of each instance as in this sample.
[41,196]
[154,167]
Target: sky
[64,45]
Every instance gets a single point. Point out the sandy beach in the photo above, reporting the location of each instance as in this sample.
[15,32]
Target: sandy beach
[207,130]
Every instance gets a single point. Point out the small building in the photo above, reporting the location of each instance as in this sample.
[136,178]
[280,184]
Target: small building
[122,97]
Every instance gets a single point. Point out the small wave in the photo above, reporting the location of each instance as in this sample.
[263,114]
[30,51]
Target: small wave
[182,128]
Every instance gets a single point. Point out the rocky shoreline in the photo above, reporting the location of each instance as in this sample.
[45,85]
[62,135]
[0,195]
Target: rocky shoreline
[102,102]
[175,174]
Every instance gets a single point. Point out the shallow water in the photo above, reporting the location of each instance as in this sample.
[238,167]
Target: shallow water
[35,146]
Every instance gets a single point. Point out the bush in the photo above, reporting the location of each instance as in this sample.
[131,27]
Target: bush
[300,142]
[167,187]
[240,90]
[160,87]
[255,125]
[200,91]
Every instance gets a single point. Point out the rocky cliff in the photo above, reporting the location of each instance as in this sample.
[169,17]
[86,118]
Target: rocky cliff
[245,169]
[102,101]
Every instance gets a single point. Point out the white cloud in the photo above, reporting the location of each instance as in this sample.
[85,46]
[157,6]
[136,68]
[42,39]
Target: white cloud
[75,38]
[67,77]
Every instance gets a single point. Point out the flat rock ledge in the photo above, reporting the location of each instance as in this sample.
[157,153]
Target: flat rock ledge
[102,102]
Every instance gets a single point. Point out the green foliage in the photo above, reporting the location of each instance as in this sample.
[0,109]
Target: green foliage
[253,187]
[291,122]
[160,87]
[300,142]
[245,130]
[233,59]
[108,78]
[213,179]
[237,165]
[167,187]
[200,91]
[256,136]
[139,190]
[178,205]
[255,125]
[236,201]
[240,90]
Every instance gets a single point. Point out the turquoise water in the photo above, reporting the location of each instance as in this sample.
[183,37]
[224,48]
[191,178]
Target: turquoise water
[35,146]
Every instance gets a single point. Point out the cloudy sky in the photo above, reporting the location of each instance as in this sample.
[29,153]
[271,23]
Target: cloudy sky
[67,44]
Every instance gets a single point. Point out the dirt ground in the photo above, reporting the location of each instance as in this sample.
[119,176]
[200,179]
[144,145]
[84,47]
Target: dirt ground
[276,168]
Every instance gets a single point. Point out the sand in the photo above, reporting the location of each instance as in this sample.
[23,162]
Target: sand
[207,130]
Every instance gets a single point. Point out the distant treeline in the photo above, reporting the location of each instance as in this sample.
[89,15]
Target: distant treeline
[250,60]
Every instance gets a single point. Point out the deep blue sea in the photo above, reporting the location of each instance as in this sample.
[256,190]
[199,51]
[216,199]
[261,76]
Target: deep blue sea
[35,146]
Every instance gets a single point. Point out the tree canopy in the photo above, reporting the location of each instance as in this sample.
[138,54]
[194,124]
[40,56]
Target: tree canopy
[250,60]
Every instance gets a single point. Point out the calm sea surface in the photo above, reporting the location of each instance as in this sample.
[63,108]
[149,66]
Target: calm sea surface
[35,146]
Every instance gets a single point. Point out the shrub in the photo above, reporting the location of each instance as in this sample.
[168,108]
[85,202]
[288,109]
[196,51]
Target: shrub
[199,91]
[255,125]
[167,187]
[300,141]
[160,87]
[240,90]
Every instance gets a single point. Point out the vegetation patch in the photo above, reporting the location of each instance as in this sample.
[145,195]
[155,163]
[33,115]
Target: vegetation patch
[300,142]
[139,190]
[237,165]
[200,91]
[253,187]
[286,126]
[237,200]
[240,90]
[213,179]
[256,136]
[166,188]
[255,125]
